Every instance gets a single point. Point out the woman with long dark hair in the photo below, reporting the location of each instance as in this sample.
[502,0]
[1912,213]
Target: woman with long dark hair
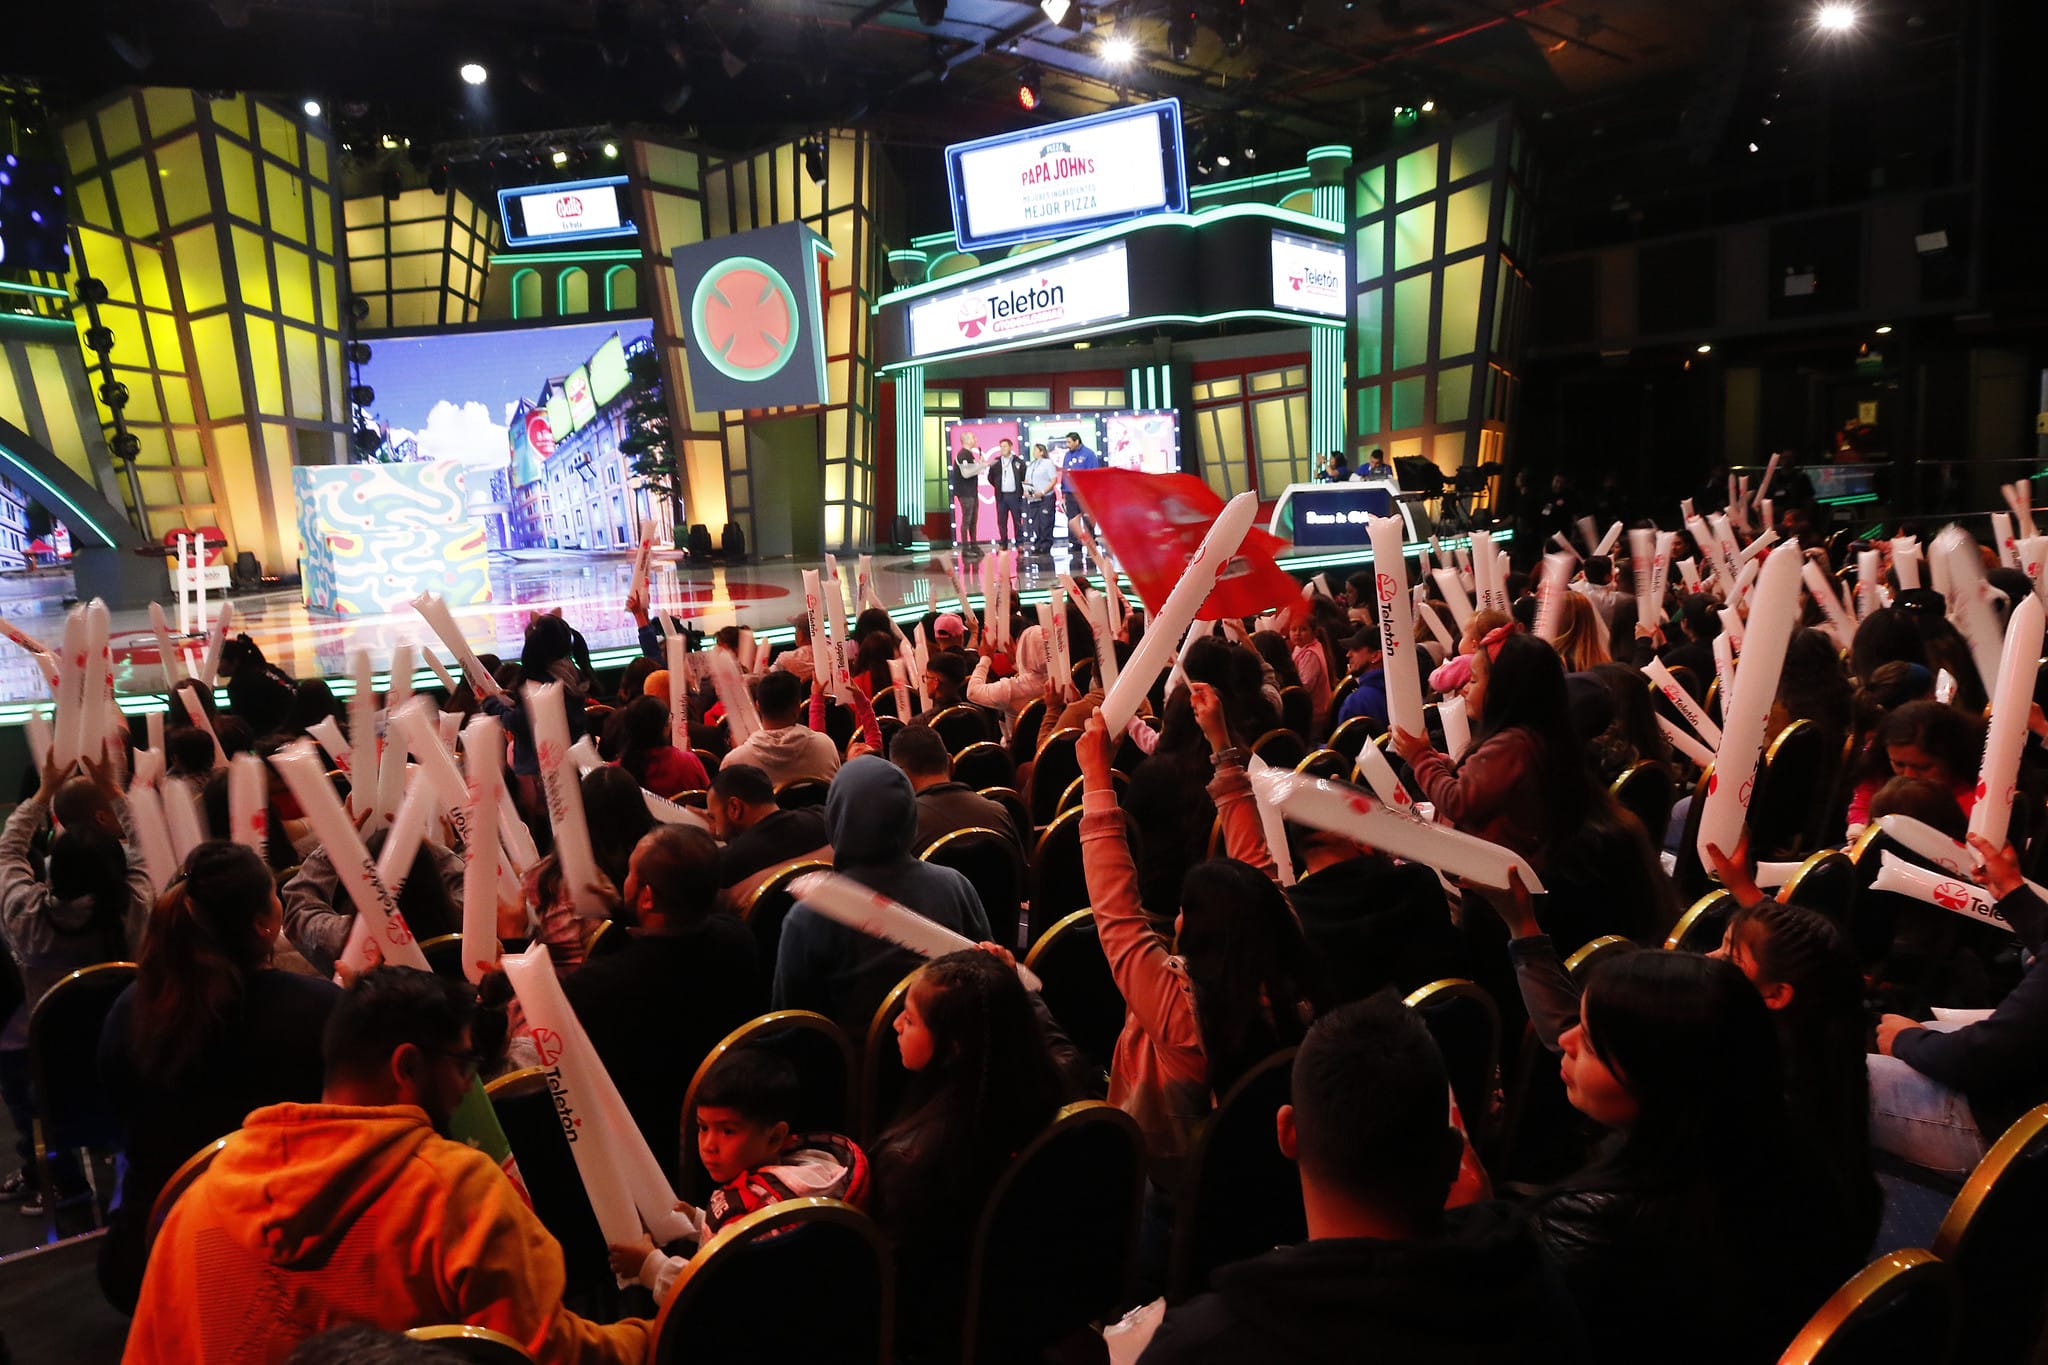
[647,751]
[1523,783]
[1236,981]
[1706,1194]
[983,1085]
[209,1031]
[616,812]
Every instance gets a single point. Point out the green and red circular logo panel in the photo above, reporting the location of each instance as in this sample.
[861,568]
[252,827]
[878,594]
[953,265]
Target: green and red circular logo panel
[745,317]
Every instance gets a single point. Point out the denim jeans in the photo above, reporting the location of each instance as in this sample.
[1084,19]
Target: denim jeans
[1920,1120]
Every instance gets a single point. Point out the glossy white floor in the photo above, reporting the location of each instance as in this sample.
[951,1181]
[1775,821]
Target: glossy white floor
[589,588]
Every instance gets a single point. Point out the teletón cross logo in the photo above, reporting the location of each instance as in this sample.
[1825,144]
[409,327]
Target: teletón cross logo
[745,316]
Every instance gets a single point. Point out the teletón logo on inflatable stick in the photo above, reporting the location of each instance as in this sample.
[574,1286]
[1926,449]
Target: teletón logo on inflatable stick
[744,314]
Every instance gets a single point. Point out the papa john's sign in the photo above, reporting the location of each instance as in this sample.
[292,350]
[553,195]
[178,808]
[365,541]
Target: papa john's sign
[1063,178]
[1058,296]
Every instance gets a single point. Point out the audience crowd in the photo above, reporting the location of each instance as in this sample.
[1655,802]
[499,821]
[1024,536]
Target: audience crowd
[1672,1150]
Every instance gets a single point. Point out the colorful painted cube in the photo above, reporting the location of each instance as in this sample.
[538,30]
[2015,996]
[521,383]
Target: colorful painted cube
[378,535]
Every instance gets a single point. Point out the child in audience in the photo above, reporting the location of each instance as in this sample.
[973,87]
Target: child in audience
[744,1111]
[1925,740]
[1707,1196]
[984,1084]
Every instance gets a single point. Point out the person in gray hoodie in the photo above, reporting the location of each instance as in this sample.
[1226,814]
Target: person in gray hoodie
[784,747]
[871,818]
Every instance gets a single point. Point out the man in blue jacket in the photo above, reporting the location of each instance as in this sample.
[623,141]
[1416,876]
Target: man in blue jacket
[1369,696]
[1076,456]
[820,964]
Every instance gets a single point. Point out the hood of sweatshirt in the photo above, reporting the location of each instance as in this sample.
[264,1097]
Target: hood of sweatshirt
[784,741]
[1481,1281]
[870,813]
[296,1177]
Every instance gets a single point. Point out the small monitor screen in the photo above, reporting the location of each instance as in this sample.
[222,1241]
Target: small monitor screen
[576,211]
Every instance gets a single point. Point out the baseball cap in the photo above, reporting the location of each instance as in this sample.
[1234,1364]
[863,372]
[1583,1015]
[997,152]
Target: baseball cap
[949,623]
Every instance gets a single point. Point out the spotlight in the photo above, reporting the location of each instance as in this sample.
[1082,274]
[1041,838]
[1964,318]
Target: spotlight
[1030,86]
[362,395]
[114,394]
[1752,146]
[931,12]
[126,446]
[1429,106]
[559,157]
[473,73]
[1223,160]
[358,352]
[1180,35]
[1837,16]
[611,151]
[312,108]
[1119,51]
[1290,13]
[814,159]
[91,290]
[1885,330]
[1704,348]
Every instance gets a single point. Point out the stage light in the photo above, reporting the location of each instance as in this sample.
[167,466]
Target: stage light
[125,446]
[611,151]
[1752,146]
[931,12]
[814,159]
[1030,86]
[1290,12]
[1704,348]
[1835,17]
[473,73]
[1065,13]
[559,157]
[312,108]
[1429,106]
[1230,27]
[90,290]
[1180,36]
[1223,160]
[1885,330]
[1119,51]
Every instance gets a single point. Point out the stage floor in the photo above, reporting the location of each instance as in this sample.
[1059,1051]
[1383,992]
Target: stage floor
[589,587]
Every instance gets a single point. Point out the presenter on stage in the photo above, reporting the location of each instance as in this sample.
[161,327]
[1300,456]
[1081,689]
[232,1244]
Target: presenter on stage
[1039,477]
[965,477]
[1006,476]
[1376,466]
[1077,456]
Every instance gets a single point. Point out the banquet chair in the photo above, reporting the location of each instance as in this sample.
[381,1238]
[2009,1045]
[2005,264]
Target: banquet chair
[883,1077]
[1791,784]
[1465,1023]
[1991,1236]
[1070,799]
[1705,921]
[1825,882]
[1242,1197]
[1024,732]
[802,792]
[960,726]
[609,937]
[770,904]
[1344,688]
[1079,990]
[466,1341]
[1056,1244]
[1328,763]
[709,760]
[817,1049]
[1690,873]
[984,764]
[1059,885]
[1012,800]
[733,1303]
[73,1111]
[1297,712]
[525,1109]
[444,954]
[993,867]
[1281,748]
[1354,734]
[1580,963]
[181,1180]
[1647,792]
[1899,1310]
[1056,768]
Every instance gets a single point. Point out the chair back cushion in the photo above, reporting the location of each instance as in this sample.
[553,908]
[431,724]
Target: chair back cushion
[63,1042]
[1243,1197]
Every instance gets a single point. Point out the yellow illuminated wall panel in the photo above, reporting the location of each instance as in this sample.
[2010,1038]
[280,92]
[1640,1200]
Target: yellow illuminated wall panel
[212,224]
[419,260]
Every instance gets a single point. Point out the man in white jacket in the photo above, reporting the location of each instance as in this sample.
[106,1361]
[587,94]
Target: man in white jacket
[784,747]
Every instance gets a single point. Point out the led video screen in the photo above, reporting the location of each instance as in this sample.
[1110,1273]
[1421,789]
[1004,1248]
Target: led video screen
[535,413]
[33,216]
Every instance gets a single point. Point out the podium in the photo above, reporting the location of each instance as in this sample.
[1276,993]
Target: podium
[375,536]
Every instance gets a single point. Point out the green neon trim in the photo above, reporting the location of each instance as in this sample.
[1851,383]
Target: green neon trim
[45,290]
[917,256]
[1121,324]
[1854,501]
[1329,151]
[1269,212]
[558,257]
[31,323]
[28,471]
[1250,182]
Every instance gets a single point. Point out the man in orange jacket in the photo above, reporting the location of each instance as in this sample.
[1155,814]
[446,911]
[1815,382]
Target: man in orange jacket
[359,1209]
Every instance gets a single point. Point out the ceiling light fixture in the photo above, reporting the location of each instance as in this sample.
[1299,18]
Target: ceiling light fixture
[312,108]
[1885,330]
[1119,51]
[611,150]
[1065,13]
[1704,348]
[1837,16]
[559,157]
[1030,86]
[473,73]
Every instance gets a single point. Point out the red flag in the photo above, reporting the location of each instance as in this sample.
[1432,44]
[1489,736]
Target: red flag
[1154,523]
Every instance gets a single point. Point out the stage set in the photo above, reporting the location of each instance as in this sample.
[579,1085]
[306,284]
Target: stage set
[413,393]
